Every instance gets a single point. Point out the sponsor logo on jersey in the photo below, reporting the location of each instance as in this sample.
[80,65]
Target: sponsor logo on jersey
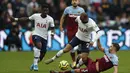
[84,70]
[73,15]
[82,29]
[41,25]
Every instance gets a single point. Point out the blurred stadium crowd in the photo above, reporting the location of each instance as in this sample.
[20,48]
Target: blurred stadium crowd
[110,14]
[107,13]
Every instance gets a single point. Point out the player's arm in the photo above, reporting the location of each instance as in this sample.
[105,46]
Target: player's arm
[96,30]
[52,31]
[19,19]
[63,18]
[115,64]
[52,27]
[100,46]
[115,69]
[23,18]
[62,21]
[96,36]
[76,20]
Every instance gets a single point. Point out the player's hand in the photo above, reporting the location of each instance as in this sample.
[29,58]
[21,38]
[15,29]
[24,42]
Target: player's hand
[91,43]
[52,35]
[11,18]
[61,28]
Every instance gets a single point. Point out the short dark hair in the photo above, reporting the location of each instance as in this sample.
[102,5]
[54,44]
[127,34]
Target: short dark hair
[84,15]
[116,46]
[45,5]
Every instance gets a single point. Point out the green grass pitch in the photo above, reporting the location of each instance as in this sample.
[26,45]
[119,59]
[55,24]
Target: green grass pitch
[19,62]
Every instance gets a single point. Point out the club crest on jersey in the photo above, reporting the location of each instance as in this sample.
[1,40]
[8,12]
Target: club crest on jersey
[41,25]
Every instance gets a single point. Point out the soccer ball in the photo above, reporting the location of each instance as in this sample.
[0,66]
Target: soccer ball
[63,65]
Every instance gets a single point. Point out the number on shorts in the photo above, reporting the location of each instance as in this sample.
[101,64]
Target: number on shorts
[87,45]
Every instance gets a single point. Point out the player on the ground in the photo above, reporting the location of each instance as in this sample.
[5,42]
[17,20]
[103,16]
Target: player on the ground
[39,36]
[108,61]
[83,36]
[69,15]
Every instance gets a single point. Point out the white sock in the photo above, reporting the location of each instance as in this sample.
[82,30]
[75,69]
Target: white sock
[58,54]
[80,63]
[36,55]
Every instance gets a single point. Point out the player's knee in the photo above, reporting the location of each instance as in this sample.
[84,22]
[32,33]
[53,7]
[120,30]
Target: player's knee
[39,45]
[67,48]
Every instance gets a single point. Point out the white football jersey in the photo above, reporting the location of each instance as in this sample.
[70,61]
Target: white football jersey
[42,24]
[84,30]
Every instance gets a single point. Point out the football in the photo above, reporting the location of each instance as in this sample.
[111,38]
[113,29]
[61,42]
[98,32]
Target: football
[63,65]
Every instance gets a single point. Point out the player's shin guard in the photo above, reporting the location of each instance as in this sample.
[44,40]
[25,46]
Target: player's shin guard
[58,54]
[77,59]
[36,55]
[72,53]
[80,63]
[72,56]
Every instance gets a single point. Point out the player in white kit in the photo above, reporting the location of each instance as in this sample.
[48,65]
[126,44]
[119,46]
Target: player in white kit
[85,27]
[39,36]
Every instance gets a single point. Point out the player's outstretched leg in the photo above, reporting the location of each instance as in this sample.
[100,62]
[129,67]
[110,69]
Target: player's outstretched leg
[77,61]
[82,60]
[53,58]
[38,47]
[42,55]
[66,49]
[80,63]
[34,66]
[72,53]
[52,71]
[69,71]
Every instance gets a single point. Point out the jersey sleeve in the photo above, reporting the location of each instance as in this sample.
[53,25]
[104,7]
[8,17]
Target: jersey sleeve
[76,20]
[52,22]
[66,11]
[106,51]
[115,61]
[32,17]
[113,57]
[95,27]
